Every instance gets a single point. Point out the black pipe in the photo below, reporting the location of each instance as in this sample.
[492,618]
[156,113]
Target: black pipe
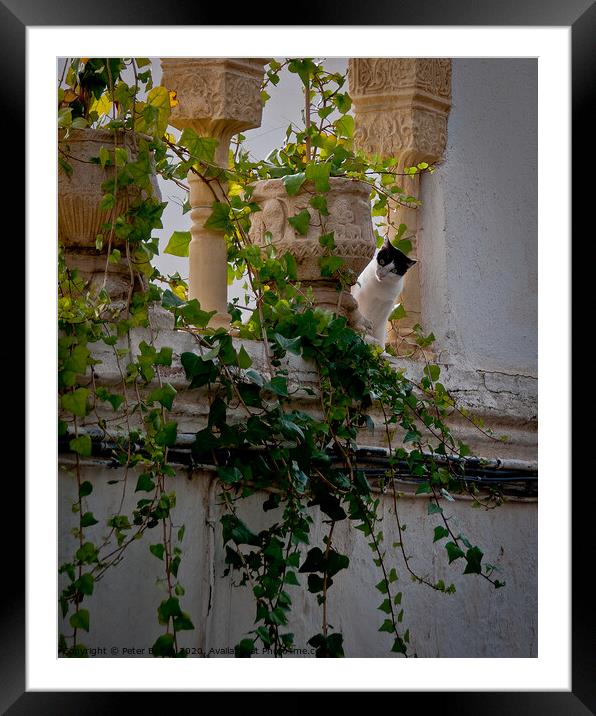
[374,462]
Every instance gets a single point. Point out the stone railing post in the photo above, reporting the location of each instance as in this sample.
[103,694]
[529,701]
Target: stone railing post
[217,97]
[401,108]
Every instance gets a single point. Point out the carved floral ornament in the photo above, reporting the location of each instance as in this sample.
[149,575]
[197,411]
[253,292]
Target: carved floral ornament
[384,75]
[212,90]
[401,106]
[349,219]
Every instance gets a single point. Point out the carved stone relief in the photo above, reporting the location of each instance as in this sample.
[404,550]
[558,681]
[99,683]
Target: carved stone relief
[401,106]
[212,90]
[349,218]
[350,221]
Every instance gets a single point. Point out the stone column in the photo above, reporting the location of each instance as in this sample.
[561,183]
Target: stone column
[217,98]
[401,107]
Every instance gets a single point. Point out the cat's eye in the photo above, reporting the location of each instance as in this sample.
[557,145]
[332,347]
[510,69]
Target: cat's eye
[382,262]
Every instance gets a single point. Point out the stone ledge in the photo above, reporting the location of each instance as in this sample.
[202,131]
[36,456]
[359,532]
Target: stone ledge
[507,404]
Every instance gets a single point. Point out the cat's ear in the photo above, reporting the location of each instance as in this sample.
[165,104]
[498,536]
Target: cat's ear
[410,262]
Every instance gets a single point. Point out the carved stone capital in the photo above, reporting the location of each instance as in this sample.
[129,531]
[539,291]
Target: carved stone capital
[217,97]
[401,106]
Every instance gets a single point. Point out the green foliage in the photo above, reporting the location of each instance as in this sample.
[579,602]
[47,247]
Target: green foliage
[305,463]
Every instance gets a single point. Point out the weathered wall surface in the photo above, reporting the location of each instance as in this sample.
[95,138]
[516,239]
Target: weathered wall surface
[476,621]
[478,227]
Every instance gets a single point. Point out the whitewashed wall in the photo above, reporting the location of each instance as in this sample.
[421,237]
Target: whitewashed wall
[478,240]
[476,621]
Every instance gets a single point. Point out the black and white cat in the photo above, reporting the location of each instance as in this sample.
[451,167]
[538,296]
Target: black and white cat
[378,287]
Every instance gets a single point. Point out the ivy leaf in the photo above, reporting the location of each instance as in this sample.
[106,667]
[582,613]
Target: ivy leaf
[164,395]
[80,620]
[229,475]
[289,344]
[434,509]
[255,377]
[319,174]
[300,222]
[145,483]
[440,532]
[200,148]
[424,488]
[77,361]
[293,182]
[164,357]
[178,243]
[154,114]
[278,385]
[314,561]
[336,562]
[382,586]
[244,360]
[433,372]
[164,646]
[76,402]
[385,606]
[330,646]
[170,300]
[167,609]
[473,559]
[399,646]
[344,126]
[85,584]
[387,626]
[87,520]
[81,445]
[453,551]
[404,245]
[319,202]
[316,584]
[157,550]
[219,219]
[327,241]
[330,264]
[193,314]
[87,553]
[115,399]
[398,312]
[234,529]
[217,413]
[167,434]
[183,622]
[85,489]
[244,649]
[104,156]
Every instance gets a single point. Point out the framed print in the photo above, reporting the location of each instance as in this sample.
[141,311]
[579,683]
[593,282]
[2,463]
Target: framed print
[549,667]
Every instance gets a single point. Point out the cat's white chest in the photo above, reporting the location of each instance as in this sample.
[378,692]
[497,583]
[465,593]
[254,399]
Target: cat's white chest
[376,299]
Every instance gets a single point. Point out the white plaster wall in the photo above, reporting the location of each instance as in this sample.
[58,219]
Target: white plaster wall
[476,621]
[478,240]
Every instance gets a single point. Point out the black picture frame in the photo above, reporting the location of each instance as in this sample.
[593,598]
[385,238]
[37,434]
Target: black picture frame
[580,15]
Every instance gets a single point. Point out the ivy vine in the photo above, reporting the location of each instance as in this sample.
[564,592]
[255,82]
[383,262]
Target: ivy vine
[306,463]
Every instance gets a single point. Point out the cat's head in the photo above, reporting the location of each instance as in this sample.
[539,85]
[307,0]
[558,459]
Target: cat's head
[392,262]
